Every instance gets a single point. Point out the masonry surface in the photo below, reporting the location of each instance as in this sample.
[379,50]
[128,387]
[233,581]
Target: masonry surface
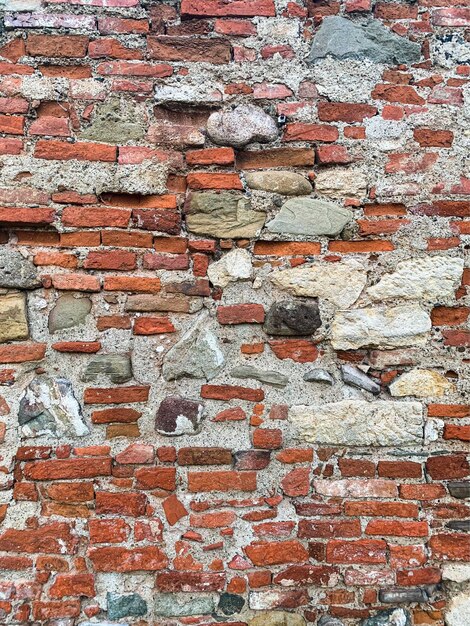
[234,312]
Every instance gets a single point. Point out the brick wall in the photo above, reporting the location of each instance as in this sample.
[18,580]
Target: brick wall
[234,335]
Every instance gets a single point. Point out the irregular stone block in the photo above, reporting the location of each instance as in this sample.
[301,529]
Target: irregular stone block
[458,611]
[116,121]
[68,312]
[291,318]
[397,596]
[196,355]
[49,407]
[13,319]
[282,182]
[456,572]
[277,618]
[319,375]
[459,489]
[270,377]
[223,215]
[131,605]
[16,271]
[421,383]
[460,525]
[230,603]
[307,216]
[354,376]
[171,605]
[431,278]
[389,617]
[327,620]
[374,327]
[117,367]
[339,283]
[341,183]
[360,423]
[242,125]
[233,266]
[342,38]
[178,416]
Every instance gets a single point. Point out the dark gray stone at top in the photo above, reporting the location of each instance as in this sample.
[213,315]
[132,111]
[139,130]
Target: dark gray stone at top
[342,38]
[291,318]
[17,272]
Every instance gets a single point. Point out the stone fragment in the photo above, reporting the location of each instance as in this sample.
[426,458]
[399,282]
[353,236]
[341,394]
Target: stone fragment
[342,38]
[68,312]
[230,603]
[389,617]
[242,125]
[461,525]
[196,355]
[456,572]
[308,216]
[130,605]
[49,407]
[398,596]
[327,620]
[16,271]
[277,618]
[339,283]
[354,376]
[421,383]
[459,489]
[279,181]
[458,611]
[117,367]
[116,121]
[377,327]
[224,215]
[319,375]
[292,317]
[270,377]
[178,416]
[341,183]
[172,605]
[252,459]
[233,266]
[13,319]
[431,278]
[360,423]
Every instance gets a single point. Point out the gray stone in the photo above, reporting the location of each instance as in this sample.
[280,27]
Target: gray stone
[459,489]
[196,355]
[116,367]
[230,603]
[224,215]
[242,125]
[68,312]
[319,375]
[270,377]
[360,423]
[277,618]
[172,605]
[307,216]
[13,320]
[131,605]
[49,407]
[292,317]
[279,181]
[178,416]
[398,596]
[342,38]
[16,271]
[106,623]
[327,620]
[116,121]
[383,328]
[458,610]
[389,617]
[354,376]
[462,525]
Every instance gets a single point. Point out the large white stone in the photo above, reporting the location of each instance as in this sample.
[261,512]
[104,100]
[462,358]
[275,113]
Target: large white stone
[458,613]
[341,183]
[233,266]
[339,283]
[377,327]
[421,383]
[360,423]
[456,572]
[429,278]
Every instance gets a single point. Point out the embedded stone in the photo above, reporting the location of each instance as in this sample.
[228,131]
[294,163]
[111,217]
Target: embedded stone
[68,312]
[130,605]
[327,620]
[357,378]
[398,596]
[376,327]
[116,367]
[49,407]
[13,319]
[308,216]
[341,183]
[319,375]
[342,38]
[233,266]
[459,489]
[461,525]
[292,318]
[421,383]
[116,121]
[270,377]
[196,355]
[277,618]
[244,124]
[458,610]
[389,617]
[178,416]
[456,572]
[16,271]
[223,215]
[360,423]
[431,278]
[172,605]
[230,603]
[279,181]
[339,283]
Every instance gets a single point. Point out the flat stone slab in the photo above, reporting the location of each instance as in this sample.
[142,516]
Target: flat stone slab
[308,216]
[13,319]
[278,181]
[421,383]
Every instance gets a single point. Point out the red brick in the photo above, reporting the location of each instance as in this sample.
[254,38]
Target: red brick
[422,492]
[241,314]
[331,155]
[22,352]
[212,520]
[451,17]
[232,8]
[60,609]
[116,395]
[231,392]
[137,284]
[156,478]
[267,438]
[297,131]
[221,481]
[204,456]
[12,124]
[381,509]
[407,556]
[117,559]
[399,469]
[174,509]
[111,260]
[264,553]
[416,577]
[356,467]
[193,49]
[64,47]
[455,547]
[397,528]
[19,215]
[297,482]
[367,551]
[345,112]
[153,326]
[82,151]
[108,530]
[448,467]
[76,282]
[120,503]
[214,181]
[397,93]
[299,350]
[327,529]
[73,585]
[428,138]
[276,157]
[211,156]
[53,538]
[85,347]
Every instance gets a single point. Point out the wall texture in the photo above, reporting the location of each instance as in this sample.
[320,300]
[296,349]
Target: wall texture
[234,336]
